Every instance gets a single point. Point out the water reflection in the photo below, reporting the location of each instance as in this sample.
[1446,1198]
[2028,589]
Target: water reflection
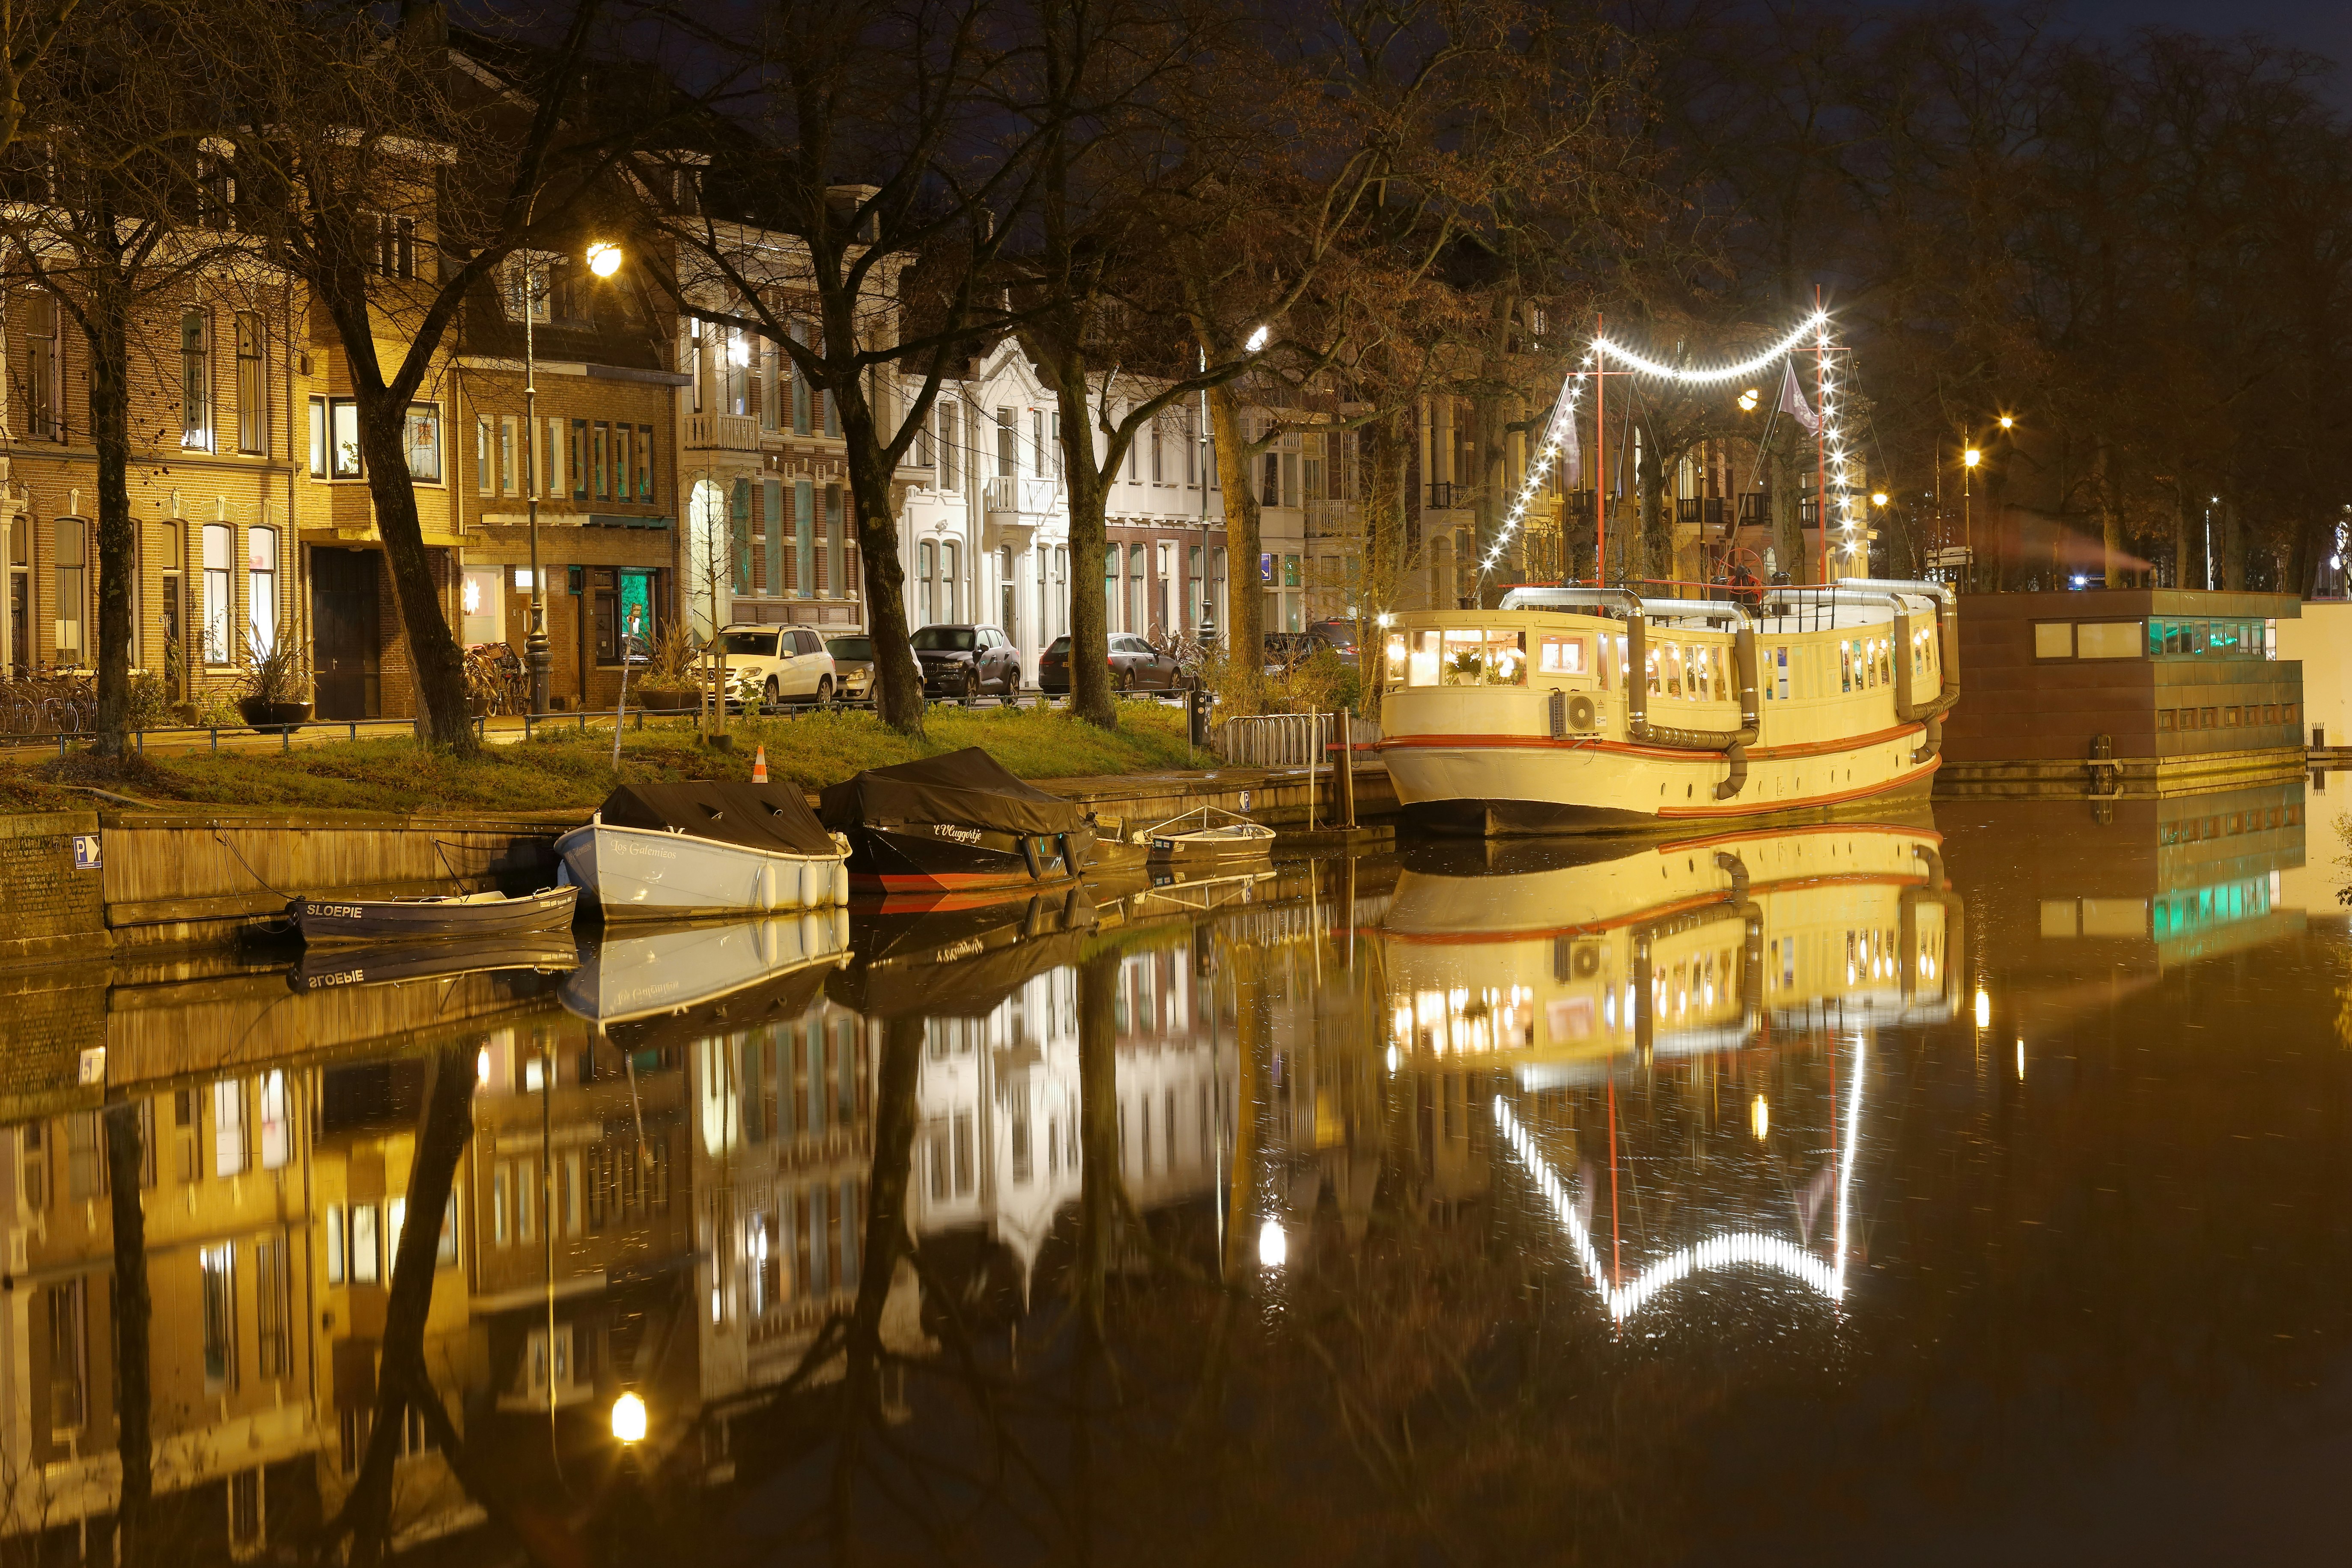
[1515,1200]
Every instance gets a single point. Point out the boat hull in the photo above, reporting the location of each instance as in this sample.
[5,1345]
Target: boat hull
[332,922]
[951,858]
[1509,784]
[636,873]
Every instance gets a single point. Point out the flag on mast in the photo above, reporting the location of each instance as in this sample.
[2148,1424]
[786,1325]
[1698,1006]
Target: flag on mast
[1792,400]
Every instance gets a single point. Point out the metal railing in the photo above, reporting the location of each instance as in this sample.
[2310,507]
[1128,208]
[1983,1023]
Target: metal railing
[1285,740]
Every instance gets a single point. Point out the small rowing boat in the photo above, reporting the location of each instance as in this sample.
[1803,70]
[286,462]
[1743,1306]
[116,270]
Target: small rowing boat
[691,851]
[1205,836]
[332,921]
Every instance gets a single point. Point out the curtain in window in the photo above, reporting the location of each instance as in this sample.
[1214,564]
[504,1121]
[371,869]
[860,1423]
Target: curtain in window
[261,588]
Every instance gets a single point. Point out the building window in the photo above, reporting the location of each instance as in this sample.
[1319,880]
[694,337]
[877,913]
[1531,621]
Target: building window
[927,584]
[799,329]
[195,381]
[620,445]
[274,1343]
[772,536]
[421,433]
[525,284]
[600,453]
[220,610]
[85,1157]
[72,551]
[645,463]
[335,1240]
[277,1124]
[1037,442]
[580,459]
[950,450]
[506,455]
[1008,447]
[44,368]
[335,438]
[366,1251]
[739,530]
[229,1128]
[395,245]
[219,1268]
[252,385]
[69,1335]
[1158,477]
[244,1512]
[261,589]
[771,401]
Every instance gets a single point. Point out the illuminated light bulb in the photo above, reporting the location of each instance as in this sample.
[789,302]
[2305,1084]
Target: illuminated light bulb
[1273,1245]
[1749,399]
[1257,340]
[1971,458]
[1984,1010]
[1878,498]
[603,259]
[2007,422]
[629,1418]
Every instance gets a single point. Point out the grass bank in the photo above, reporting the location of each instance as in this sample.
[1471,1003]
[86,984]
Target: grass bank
[566,771]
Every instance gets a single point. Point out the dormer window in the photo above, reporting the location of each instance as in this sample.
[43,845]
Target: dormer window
[541,279]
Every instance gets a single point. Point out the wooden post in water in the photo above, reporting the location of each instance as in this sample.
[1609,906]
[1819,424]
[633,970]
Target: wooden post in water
[1347,760]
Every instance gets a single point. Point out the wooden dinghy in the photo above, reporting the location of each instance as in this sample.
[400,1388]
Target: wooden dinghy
[1206,837]
[336,922]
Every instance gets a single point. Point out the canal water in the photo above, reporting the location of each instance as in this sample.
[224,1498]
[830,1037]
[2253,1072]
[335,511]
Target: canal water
[1949,1188]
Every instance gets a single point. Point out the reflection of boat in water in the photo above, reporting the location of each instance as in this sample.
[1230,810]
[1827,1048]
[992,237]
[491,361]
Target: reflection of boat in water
[651,987]
[1556,959]
[918,958]
[389,962]
[1206,836]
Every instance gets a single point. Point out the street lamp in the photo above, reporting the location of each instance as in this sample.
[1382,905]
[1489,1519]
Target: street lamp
[629,1418]
[1749,399]
[603,260]
[2008,422]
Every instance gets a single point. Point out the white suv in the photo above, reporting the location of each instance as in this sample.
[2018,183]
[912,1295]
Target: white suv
[776,666]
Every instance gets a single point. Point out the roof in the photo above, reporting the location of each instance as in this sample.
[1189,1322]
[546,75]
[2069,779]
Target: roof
[968,786]
[773,817]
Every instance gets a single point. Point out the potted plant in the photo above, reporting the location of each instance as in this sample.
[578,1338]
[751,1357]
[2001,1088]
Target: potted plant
[668,682]
[276,681]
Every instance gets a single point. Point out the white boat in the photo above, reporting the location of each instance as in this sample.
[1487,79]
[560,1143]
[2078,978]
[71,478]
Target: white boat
[683,851]
[1205,835]
[1575,708]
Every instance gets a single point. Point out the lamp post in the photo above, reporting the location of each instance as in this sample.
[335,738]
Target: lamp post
[1970,458]
[603,260]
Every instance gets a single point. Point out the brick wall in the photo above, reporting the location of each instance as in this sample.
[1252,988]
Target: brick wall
[50,907]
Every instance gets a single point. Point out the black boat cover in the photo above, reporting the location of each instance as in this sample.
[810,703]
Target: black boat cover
[969,788]
[772,816]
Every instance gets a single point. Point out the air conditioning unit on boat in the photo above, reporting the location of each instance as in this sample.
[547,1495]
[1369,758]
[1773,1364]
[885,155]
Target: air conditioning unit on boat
[1573,713]
[1575,958]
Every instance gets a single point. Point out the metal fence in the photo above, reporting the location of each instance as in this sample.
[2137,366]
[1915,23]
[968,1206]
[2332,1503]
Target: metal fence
[1285,739]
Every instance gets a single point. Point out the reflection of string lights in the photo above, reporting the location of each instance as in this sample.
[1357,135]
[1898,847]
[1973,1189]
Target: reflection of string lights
[1720,1251]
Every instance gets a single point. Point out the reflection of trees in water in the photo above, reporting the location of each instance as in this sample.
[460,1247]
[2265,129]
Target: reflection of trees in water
[1415,1393]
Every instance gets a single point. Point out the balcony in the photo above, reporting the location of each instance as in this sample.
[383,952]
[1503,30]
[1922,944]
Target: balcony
[1445,495]
[1332,520]
[722,433]
[1706,510]
[1755,509]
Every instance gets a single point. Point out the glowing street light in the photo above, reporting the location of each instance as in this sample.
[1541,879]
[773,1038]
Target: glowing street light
[603,260]
[2008,422]
[1878,498]
[629,1418]
[1971,458]
[1749,399]
[1257,340]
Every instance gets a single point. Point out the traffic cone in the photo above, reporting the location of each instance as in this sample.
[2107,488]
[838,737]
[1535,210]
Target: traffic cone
[759,766]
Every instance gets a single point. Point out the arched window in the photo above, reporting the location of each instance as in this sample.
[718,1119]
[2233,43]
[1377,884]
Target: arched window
[926,586]
[261,588]
[951,583]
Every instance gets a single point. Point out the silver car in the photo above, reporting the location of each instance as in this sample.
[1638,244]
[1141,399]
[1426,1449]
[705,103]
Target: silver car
[854,667]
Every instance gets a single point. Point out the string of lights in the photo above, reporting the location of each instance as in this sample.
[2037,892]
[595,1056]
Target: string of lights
[1815,327]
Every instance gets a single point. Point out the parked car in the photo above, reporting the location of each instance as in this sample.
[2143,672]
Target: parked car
[1339,636]
[965,661]
[778,666]
[1135,665]
[854,667]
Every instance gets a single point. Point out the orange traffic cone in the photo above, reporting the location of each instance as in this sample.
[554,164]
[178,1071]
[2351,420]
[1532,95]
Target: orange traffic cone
[759,766]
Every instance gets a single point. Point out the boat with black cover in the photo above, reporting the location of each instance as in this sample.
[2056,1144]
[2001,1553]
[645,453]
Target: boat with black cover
[479,916]
[688,850]
[958,823]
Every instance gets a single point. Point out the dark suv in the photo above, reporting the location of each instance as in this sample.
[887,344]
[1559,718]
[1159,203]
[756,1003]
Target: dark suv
[964,661]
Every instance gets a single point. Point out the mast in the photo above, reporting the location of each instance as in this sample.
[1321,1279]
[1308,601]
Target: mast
[1600,461]
[1821,439]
